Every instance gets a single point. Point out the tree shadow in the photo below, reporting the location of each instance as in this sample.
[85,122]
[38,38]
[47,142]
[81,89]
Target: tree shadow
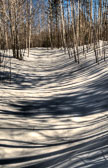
[88,153]
[90,100]
[86,149]
[72,134]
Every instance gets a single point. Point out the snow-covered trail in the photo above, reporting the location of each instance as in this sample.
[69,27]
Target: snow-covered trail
[54,113]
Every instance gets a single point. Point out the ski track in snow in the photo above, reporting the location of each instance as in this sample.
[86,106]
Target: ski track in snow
[54,113]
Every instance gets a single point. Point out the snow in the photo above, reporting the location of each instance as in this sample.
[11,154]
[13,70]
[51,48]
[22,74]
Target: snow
[54,112]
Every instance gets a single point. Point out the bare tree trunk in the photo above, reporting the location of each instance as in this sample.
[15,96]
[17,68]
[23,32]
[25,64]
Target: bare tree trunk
[63,24]
[29,27]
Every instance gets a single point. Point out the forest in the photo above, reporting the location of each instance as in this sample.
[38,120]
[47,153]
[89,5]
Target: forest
[52,23]
[53,83]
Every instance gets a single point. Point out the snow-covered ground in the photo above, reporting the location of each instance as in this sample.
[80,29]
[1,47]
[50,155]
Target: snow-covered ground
[54,113]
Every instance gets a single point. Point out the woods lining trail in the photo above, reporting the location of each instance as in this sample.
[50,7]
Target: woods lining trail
[54,112]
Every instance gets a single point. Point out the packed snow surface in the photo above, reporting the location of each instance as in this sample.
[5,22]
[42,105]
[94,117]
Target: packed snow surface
[54,112]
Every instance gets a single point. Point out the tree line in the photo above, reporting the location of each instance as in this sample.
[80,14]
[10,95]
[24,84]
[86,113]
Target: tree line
[53,23]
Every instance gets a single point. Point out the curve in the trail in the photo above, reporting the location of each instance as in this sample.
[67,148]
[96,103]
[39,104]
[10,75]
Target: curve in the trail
[54,113]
